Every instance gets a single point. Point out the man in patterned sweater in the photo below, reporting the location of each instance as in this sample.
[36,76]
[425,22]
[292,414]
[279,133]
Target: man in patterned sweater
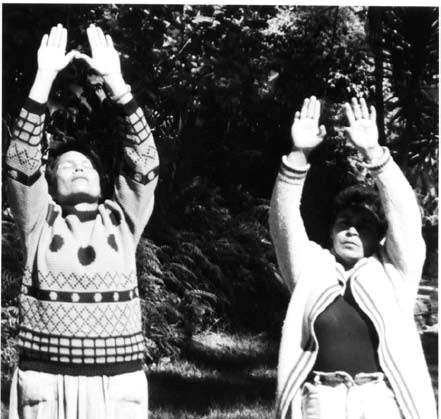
[81,342]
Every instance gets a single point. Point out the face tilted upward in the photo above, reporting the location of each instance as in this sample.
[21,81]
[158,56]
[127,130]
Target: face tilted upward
[355,234]
[77,179]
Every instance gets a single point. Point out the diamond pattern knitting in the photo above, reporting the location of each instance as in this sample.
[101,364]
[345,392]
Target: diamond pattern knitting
[79,303]
[92,320]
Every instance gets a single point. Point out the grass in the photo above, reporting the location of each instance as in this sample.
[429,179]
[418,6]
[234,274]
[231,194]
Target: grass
[221,376]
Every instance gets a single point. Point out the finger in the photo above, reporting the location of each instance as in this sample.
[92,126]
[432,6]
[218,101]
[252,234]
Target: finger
[356,108]
[348,134]
[349,113]
[101,37]
[373,114]
[322,131]
[44,40]
[304,109]
[93,40]
[59,34]
[317,110]
[69,57]
[85,57]
[364,109]
[311,107]
[52,40]
[109,41]
[63,40]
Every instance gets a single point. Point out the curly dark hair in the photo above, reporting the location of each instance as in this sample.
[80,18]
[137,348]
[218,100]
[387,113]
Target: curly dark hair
[82,148]
[361,197]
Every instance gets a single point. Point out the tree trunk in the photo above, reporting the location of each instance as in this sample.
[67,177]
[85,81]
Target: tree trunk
[375,36]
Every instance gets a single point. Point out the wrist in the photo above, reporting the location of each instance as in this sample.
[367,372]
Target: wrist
[115,82]
[46,75]
[298,157]
[373,153]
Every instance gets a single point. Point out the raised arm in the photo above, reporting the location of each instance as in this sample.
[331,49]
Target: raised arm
[293,248]
[135,185]
[27,187]
[404,245]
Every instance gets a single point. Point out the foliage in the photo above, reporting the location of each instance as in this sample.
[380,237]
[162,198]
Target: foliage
[219,86]
[406,39]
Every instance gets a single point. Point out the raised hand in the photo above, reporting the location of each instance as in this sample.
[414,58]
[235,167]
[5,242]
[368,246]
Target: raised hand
[52,56]
[362,131]
[305,131]
[105,58]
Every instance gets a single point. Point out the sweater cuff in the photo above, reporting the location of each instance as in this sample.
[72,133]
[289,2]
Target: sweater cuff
[377,165]
[35,107]
[291,174]
[130,107]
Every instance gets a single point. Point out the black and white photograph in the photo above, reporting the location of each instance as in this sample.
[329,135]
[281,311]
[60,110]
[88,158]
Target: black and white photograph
[219,211]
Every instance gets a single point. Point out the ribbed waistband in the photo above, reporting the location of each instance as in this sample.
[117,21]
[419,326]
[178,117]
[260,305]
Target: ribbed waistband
[80,369]
[336,378]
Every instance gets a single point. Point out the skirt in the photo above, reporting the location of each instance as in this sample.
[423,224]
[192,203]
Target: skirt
[39,395]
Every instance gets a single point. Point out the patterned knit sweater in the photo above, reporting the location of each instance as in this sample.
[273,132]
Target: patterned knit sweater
[80,311]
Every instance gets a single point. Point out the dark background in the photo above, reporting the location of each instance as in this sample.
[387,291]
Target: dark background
[219,86]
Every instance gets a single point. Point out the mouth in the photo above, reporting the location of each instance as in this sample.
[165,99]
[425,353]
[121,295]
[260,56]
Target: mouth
[350,244]
[79,178]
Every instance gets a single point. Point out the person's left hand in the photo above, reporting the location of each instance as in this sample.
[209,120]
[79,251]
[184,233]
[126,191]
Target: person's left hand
[362,130]
[105,58]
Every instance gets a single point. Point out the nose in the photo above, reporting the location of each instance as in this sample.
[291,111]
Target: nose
[352,231]
[78,168]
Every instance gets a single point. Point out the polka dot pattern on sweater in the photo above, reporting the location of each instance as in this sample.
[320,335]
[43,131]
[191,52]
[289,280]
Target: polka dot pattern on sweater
[86,255]
[56,244]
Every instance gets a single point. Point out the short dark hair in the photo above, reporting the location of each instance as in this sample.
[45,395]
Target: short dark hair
[73,145]
[361,197]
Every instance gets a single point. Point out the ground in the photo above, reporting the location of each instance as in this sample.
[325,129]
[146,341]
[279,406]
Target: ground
[222,376]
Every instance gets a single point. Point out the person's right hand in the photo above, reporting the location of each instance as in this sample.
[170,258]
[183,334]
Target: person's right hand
[105,58]
[52,56]
[305,131]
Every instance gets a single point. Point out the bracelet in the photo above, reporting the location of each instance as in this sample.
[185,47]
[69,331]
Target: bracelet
[121,95]
[380,162]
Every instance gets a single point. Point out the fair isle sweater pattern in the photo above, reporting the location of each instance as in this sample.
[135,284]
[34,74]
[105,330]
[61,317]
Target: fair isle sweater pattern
[79,304]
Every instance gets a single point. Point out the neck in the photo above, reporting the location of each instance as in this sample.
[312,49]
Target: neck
[347,264]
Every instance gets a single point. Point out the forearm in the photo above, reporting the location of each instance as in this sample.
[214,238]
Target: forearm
[138,177]
[42,86]
[27,187]
[286,225]
[404,242]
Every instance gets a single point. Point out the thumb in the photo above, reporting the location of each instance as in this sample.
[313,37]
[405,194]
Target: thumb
[69,57]
[322,131]
[348,134]
[85,57]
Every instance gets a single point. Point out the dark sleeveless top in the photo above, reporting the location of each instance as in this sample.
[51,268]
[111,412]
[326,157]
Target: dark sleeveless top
[346,337]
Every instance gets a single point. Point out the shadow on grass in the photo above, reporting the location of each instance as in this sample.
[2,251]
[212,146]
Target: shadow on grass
[197,395]
[231,358]
[224,375]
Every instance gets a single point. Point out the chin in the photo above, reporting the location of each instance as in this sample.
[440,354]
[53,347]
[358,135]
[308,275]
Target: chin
[349,258]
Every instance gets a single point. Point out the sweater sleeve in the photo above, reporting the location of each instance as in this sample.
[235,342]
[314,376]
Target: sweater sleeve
[138,177]
[292,245]
[27,188]
[404,245]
